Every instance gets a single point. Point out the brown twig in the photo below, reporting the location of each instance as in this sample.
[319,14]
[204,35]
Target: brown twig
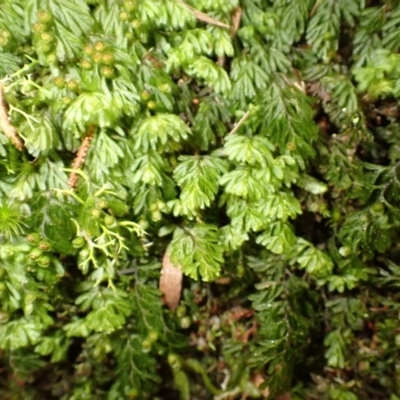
[5,124]
[246,336]
[237,126]
[204,17]
[81,156]
[314,9]
[236,18]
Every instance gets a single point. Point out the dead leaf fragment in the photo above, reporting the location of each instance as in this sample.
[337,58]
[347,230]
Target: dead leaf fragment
[204,17]
[5,124]
[284,396]
[170,282]
[258,379]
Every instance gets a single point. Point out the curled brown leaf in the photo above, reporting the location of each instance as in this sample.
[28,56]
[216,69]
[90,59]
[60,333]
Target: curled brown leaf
[170,282]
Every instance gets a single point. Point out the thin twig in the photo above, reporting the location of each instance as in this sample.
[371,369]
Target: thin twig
[5,124]
[237,126]
[204,17]
[314,9]
[81,157]
[236,18]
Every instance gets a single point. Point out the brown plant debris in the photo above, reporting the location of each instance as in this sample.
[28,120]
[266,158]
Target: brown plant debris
[81,156]
[236,18]
[170,282]
[5,124]
[204,17]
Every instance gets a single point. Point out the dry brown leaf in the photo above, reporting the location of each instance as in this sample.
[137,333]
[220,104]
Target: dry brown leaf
[170,282]
[5,123]
[204,17]
[258,379]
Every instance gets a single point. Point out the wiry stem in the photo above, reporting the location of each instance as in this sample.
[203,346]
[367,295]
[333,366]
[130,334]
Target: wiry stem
[81,157]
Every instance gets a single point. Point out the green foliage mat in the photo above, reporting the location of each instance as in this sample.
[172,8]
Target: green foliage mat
[254,145]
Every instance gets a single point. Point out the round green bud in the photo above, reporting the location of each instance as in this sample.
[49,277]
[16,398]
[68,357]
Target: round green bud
[377,209]
[73,85]
[151,105]
[59,82]
[345,251]
[185,322]
[100,46]
[8,251]
[88,49]
[365,218]
[156,216]
[44,261]
[136,24]
[110,221]
[165,88]
[95,212]
[108,58]
[129,5]
[161,205]
[33,237]
[44,246]
[240,271]
[66,100]
[336,215]
[78,242]
[291,146]
[83,255]
[146,345]
[3,41]
[35,254]
[133,393]
[145,95]
[47,37]
[28,308]
[107,72]
[44,48]
[44,16]
[181,311]
[51,59]
[85,64]
[98,57]
[124,16]
[153,207]
[6,34]
[40,27]
[29,298]
[143,223]
[102,204]
[152,336]
[174,361]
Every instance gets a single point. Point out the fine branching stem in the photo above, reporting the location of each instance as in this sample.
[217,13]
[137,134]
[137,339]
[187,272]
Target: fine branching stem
[81,156]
